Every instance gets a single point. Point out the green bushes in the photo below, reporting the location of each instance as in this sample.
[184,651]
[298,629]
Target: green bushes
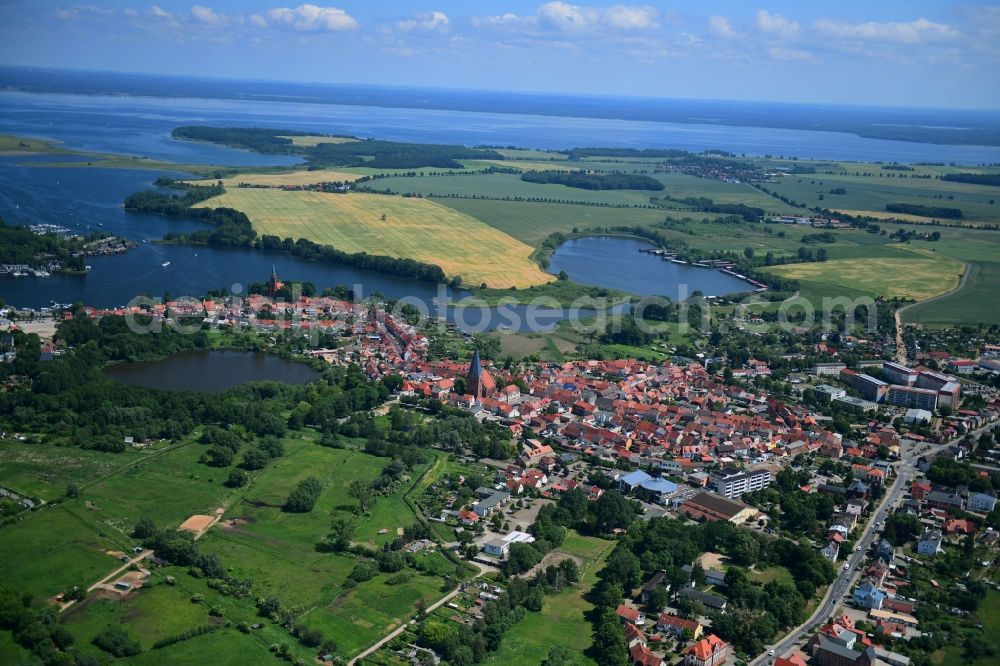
[304,497]
[190,633]
[118,642]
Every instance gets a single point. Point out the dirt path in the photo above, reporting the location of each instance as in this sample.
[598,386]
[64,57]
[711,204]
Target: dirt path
[401,628]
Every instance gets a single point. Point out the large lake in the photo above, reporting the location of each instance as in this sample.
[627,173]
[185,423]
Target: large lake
[210,371]
[142,125]
[617,263]
[90,199]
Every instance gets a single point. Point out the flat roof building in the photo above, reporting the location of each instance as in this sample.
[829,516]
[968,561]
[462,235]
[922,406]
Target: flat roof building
[733,482]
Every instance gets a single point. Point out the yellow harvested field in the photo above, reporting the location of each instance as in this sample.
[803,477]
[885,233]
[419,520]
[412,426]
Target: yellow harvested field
[394,226]
[884,215]
[529,165]
[315,140]
[290,178]
[920,276]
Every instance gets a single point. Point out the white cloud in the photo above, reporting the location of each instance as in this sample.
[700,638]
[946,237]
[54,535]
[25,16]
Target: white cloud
[625,17]
[794,55]
[721,26]
[776,24]
[428,21]
[207,16]
[563,17]
[159,12]
[502,19]
[311,18]
[913,32]
[80,11]
[257,20]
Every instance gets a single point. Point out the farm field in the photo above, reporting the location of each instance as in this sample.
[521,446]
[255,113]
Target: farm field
[532,222]
[314,140]
[283,179]
[395,226]
[562,619]
[505,185]
[917,275]
[868,195]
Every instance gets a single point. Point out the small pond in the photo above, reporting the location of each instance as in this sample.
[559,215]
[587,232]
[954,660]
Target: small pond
[617,263]
[210,371]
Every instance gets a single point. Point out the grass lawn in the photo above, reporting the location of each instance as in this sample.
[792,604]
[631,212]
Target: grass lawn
[55,548]
[367,612]
[152,614]
[395,226]
[562,620]
[223,647]
[778,573]
[43,471]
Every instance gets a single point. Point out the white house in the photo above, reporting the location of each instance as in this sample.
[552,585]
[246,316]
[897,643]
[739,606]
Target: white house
[930,542]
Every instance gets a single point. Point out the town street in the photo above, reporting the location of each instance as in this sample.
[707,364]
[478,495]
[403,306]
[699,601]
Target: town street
[845,579]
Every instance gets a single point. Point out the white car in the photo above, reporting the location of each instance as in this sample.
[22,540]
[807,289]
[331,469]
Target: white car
[847,567]
[770,653]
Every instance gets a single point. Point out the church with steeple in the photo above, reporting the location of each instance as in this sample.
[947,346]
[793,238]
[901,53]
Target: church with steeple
[479,383]
[274,285]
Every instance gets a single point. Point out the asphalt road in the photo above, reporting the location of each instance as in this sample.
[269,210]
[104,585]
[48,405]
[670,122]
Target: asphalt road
[845,578]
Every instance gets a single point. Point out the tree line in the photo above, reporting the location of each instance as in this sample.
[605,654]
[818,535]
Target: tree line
[593,181]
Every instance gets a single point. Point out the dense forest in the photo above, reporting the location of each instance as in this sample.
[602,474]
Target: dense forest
[925,211]
[370,152]
[706,205]
[593,181]
[20,245]
[974,178]
[233,229]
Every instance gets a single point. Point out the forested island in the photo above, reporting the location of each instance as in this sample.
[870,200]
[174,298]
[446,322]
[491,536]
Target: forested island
[373,153]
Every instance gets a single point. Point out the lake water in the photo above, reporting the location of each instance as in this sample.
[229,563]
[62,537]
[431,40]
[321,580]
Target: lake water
[141,126]
[617,263]
[88,199]
[210,371]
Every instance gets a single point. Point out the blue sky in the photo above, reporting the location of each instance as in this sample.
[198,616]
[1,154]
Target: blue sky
[883,52]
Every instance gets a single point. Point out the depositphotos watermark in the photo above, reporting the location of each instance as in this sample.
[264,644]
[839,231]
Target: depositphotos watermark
[449,309]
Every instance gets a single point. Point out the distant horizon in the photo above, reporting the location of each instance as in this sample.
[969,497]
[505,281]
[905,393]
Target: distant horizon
[895,53]
[496,91]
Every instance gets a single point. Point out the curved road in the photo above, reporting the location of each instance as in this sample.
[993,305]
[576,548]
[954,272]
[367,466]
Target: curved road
[900,346]
[845,578]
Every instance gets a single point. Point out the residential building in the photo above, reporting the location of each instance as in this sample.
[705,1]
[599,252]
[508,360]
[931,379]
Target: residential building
[629,614]
[671,624]
[899,374]
[930,542]
[908,396]
[828,369]
[867,595]
[709,651]
[831,392]
[640,655]
[713,601]
[828,652]
[982,501]
[732,482]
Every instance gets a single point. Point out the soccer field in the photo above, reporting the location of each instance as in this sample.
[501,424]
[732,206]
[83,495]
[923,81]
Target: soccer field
[394,226]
